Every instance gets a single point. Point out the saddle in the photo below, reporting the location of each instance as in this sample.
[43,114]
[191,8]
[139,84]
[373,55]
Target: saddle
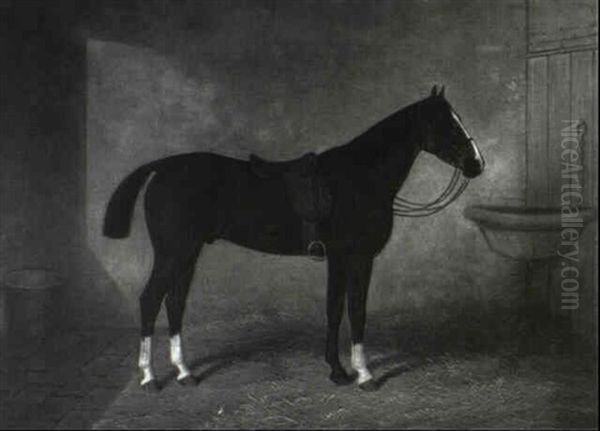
[309,195]
[303,165]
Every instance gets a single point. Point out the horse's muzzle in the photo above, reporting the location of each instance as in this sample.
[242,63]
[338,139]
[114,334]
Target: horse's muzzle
[473,168]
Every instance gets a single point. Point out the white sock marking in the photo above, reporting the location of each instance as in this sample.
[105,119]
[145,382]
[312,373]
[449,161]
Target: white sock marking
[359,363]
[177,357]
[145,360]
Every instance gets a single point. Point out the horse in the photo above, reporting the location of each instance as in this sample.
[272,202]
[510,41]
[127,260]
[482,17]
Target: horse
[193,199]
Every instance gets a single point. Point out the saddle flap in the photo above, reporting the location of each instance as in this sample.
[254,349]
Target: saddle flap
[309,196]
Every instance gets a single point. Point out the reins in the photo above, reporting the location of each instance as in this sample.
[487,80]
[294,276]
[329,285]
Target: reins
[405,208]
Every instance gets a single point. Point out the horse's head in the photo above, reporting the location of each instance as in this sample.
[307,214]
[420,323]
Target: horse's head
[445,136]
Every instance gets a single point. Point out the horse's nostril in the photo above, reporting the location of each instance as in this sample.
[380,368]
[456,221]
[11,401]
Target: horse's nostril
[473,168]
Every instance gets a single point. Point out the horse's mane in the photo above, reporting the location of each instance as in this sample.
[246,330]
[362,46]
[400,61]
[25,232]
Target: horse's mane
[371,142]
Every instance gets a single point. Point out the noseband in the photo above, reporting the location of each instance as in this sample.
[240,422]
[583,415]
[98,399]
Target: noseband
[405,208]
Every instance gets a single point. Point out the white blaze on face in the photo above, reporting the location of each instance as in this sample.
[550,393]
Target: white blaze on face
[177,357]
[145,360]
[478,156]
[476,152]
[456,118]
[359,363]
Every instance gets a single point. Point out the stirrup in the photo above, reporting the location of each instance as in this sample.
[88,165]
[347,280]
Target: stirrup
[316,250]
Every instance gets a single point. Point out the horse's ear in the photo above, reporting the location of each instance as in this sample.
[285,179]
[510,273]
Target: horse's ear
[441,93]
[434,90]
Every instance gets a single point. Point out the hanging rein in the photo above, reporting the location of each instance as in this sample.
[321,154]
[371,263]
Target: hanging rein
[405,208]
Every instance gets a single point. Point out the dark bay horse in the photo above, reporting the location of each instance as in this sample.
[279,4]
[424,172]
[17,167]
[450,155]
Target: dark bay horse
[195,198]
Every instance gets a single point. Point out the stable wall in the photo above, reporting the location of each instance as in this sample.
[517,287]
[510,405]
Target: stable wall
[42,159]
[281,79]
[127,83]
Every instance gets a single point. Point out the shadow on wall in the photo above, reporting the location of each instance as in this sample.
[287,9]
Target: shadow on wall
[92,298]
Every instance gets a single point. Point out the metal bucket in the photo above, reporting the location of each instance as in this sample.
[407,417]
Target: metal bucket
[30,305]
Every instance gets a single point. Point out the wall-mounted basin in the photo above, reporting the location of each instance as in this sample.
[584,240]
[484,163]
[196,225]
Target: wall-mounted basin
[524,233]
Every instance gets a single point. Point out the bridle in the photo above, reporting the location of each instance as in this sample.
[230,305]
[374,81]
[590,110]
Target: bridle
[405,208]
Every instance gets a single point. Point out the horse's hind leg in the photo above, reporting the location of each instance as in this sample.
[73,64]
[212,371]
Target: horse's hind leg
[175,304]
[150,302]
[175,218]
[171,276]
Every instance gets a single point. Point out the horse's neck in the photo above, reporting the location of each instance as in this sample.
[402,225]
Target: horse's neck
[401,162]
[397,140]
[387,150]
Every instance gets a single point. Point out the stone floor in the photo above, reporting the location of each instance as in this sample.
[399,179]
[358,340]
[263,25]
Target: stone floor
[289,389]
[257,373]
[262,372]
[66,383]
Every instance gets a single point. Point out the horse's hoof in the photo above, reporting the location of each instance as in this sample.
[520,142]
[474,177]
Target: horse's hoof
[151,387]
[369,386]
[188,381]
[341,378]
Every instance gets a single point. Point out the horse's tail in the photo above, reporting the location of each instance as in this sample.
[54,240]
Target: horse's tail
[117,220]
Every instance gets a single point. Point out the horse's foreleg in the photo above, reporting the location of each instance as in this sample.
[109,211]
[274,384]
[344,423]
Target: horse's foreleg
[359,363]
[358,287]
[336,290]
[184,374]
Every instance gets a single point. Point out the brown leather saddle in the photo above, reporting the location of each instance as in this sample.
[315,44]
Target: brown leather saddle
[308,193]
